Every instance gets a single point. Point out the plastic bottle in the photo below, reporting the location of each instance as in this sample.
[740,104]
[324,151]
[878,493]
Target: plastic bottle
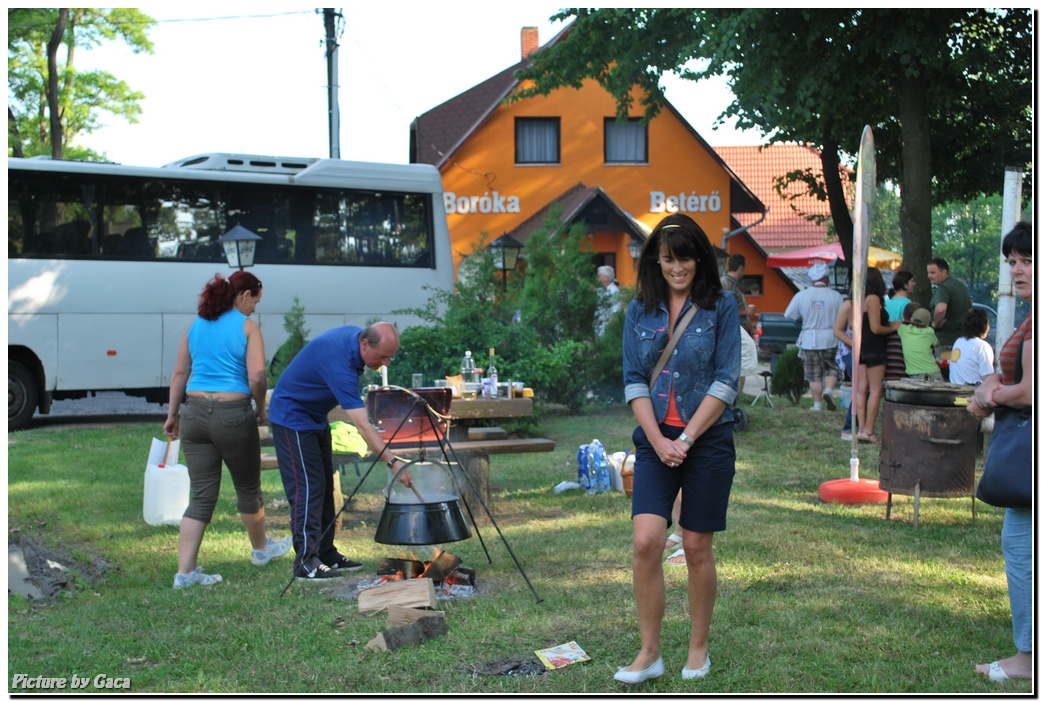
[469,371]
[471,383]
[584,476]
[492,375]
[603,470]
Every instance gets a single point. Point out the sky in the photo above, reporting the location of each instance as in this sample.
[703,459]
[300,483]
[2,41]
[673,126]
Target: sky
[252,77]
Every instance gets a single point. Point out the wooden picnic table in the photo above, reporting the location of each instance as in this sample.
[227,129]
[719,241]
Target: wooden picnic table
[464,414]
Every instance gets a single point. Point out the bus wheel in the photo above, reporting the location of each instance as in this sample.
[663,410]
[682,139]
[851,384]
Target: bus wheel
[22,396]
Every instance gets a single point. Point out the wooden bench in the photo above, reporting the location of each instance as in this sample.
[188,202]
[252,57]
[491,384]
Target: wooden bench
[485,433]
[474,457]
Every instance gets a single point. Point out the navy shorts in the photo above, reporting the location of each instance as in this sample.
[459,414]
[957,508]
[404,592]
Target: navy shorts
[705,476]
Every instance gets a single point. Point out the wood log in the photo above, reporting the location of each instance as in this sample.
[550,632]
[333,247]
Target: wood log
[414,634]
[398,616]
[439,568]
[408,567]
[417,592]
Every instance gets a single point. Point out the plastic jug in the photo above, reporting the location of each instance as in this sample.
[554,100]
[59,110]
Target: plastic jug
[167,486]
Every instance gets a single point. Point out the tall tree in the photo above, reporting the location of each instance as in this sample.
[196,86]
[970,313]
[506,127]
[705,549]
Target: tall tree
[818,76]
[51,102]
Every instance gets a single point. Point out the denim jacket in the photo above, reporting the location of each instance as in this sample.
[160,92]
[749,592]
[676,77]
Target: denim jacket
[706,361]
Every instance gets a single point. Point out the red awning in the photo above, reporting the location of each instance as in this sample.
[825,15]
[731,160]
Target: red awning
[804,258]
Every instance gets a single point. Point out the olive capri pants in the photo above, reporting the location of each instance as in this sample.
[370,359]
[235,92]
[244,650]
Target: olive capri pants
[212,433]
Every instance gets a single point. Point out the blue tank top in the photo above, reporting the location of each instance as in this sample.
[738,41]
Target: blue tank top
[218,350]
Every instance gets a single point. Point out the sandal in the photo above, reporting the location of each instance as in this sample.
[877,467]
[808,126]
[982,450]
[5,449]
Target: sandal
[674,539]
[870,438]
[678,553]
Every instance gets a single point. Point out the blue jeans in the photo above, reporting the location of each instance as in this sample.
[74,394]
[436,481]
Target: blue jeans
[1016,542]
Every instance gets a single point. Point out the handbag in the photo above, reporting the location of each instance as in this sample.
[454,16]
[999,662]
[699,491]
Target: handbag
[1007,479]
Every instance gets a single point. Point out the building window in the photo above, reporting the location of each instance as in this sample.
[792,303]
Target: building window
[537,139]
[625,142]
[752,285]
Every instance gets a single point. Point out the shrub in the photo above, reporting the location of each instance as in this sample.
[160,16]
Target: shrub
[788,378]
[542,325]
[293,323]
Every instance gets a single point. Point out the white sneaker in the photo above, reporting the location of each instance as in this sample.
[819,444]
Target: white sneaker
[816,407]
[196,577]
[273,549]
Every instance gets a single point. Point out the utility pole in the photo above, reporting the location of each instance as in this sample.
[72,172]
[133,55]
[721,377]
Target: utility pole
[333,27]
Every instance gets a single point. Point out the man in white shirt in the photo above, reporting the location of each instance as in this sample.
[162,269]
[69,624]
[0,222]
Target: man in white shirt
[817,306]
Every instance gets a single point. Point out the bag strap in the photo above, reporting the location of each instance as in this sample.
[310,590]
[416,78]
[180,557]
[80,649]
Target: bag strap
[677,331]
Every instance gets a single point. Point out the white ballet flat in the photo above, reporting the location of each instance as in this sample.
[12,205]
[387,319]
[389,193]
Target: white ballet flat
[701,672]
[632,677]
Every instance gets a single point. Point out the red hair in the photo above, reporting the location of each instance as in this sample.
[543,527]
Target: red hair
[219,294]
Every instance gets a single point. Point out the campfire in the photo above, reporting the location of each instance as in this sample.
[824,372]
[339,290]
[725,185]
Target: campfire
[444,569]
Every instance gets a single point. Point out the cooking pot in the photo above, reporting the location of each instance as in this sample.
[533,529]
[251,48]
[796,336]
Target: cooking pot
[933,393]
[427,514]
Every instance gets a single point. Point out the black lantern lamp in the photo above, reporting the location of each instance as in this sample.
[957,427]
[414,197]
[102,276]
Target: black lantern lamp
[840,276]
[509,251]
[635,247]
[240,246]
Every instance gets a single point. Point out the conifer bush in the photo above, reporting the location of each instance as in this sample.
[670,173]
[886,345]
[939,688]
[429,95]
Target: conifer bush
[788,379]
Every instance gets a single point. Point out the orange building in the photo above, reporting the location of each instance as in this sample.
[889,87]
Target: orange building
[504,165]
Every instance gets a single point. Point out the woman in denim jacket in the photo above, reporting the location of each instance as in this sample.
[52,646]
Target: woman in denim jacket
[684,439]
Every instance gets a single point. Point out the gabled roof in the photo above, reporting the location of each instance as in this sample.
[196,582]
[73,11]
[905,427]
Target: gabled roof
[784,226]
[437,134]
[592,206]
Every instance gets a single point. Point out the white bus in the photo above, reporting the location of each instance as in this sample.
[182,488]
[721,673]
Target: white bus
[106,262]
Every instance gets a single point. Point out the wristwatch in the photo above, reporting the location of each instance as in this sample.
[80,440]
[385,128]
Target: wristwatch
[686,439]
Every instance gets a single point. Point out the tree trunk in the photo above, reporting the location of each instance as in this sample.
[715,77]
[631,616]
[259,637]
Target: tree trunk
[840,216]
[916,197]
[16,137]
[57,142]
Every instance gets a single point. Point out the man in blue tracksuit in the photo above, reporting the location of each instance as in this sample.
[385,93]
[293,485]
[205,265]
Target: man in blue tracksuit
[325,373]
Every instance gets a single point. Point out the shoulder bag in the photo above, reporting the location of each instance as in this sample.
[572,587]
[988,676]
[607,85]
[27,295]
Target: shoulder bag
[677,331]
[1007,480]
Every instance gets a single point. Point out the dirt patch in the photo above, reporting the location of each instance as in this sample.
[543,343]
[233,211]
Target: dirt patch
[53,572]
[519,667]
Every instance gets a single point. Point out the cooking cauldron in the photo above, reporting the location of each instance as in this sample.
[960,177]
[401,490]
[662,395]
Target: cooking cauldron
[429,514]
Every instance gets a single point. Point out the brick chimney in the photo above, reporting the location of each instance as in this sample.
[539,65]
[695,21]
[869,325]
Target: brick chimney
[529,41]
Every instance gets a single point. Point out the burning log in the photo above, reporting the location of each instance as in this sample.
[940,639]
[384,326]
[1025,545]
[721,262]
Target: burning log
[408,567]
[441,567]
[417,592]
[414,634]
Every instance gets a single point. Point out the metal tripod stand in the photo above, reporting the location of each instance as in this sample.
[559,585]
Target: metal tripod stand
[445,448]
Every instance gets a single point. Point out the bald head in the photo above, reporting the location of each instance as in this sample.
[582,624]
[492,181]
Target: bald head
[378,344]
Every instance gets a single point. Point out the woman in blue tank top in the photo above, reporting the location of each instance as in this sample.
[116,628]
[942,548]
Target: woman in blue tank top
[220,373]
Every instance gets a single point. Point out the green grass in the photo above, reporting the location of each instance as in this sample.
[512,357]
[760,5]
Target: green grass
[813,598]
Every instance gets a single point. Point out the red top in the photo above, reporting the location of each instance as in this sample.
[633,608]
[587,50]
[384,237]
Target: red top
[1007,357]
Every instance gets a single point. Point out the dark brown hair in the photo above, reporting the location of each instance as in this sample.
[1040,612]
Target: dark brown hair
[681,236]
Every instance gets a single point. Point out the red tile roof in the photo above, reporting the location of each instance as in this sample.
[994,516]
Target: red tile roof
[785,227]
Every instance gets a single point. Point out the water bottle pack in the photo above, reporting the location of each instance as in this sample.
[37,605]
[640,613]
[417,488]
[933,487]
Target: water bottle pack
[594,473]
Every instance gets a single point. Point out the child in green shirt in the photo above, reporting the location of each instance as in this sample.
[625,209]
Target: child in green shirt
[918,339]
